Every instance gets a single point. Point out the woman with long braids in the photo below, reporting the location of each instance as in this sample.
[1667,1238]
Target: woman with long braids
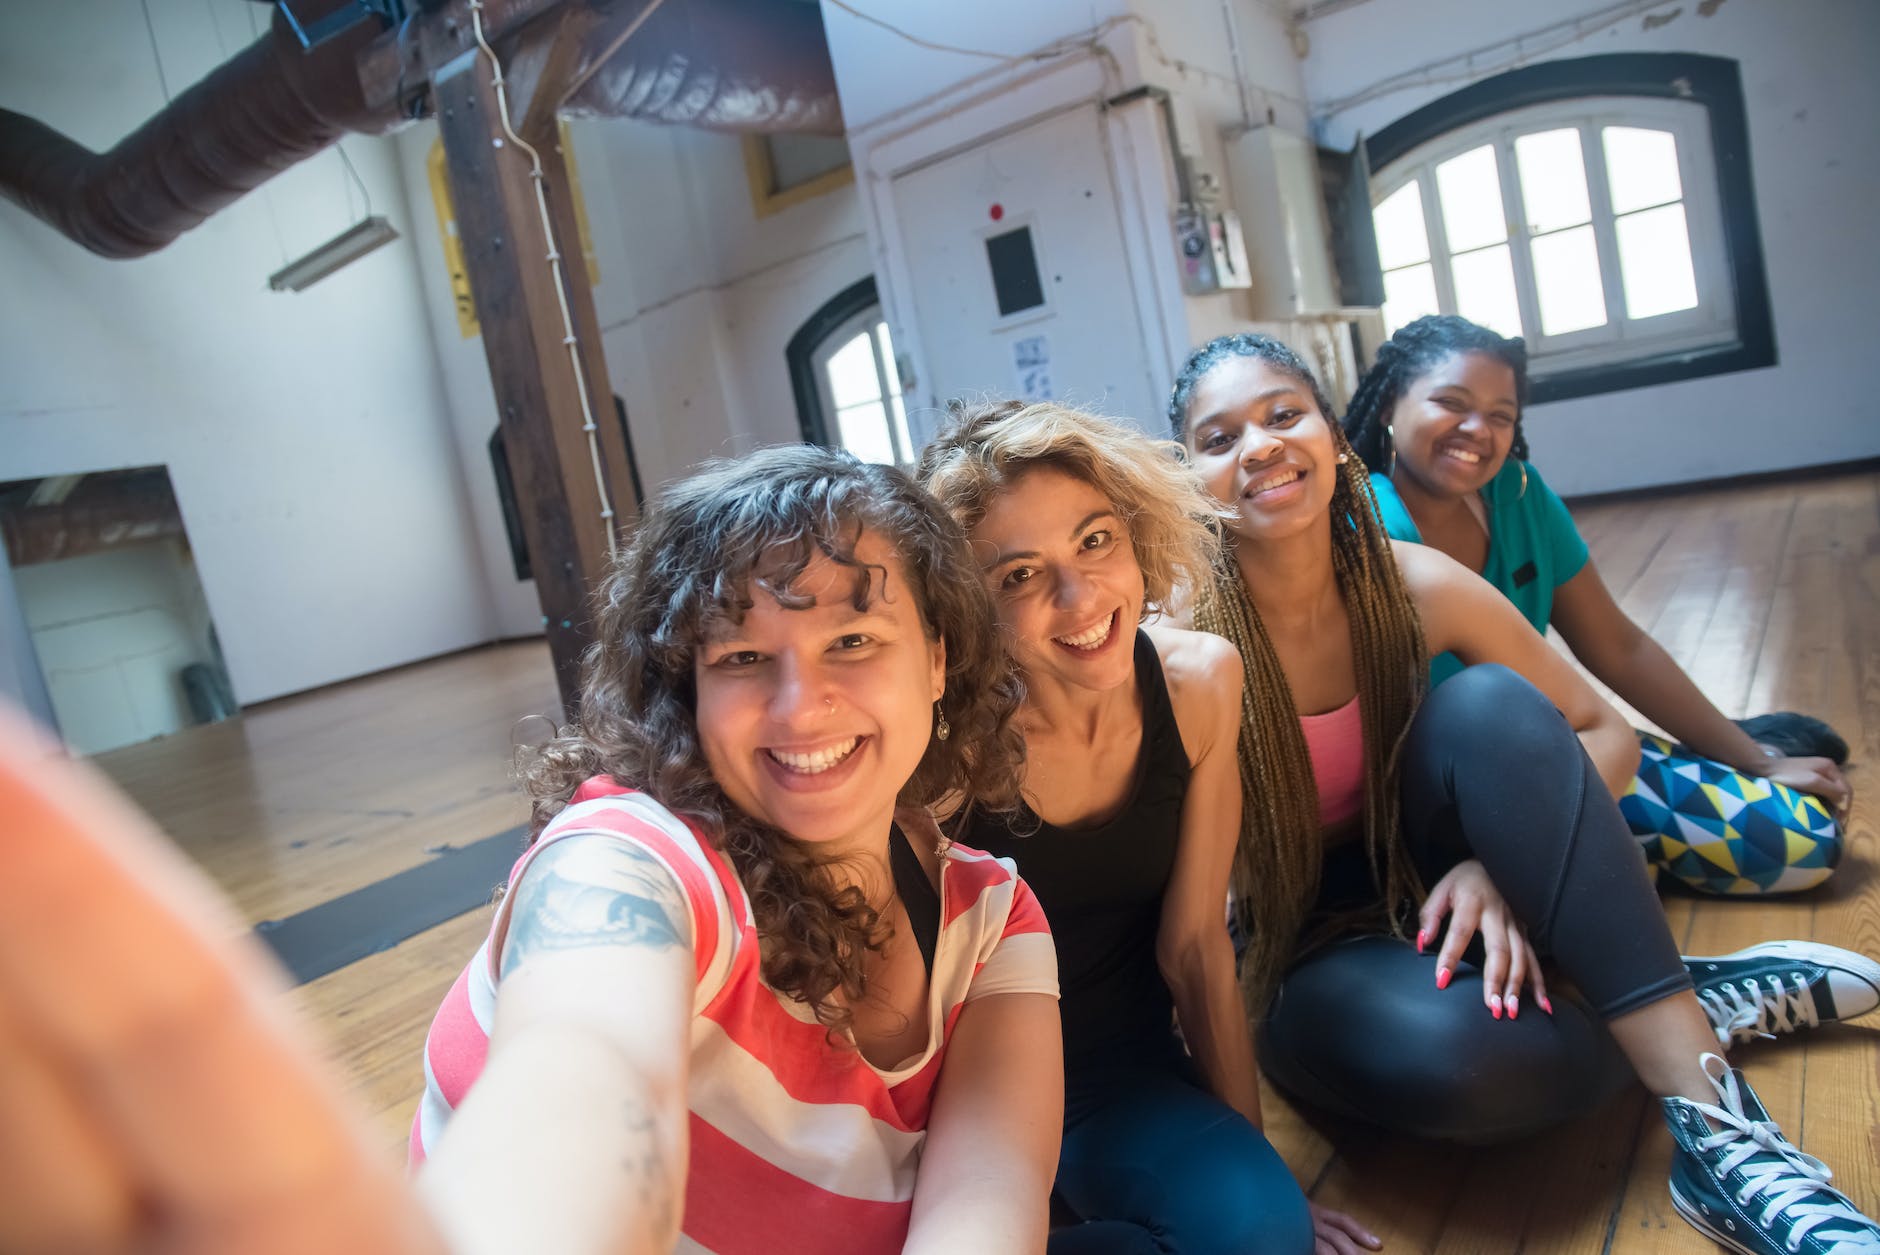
[725,1004]
[1132,805]
[1479,815]
[1437,421]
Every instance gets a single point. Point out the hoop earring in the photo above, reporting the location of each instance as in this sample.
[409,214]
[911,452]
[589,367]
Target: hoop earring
[1390,434]
[942,729]
[1523,492]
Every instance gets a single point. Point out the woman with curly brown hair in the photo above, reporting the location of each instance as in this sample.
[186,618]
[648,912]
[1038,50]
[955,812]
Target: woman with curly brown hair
[725,1004]
[1081,526]
[725,1000]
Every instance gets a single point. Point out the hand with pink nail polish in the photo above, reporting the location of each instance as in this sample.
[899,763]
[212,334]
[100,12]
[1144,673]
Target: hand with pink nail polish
[1470,901]
[1335,1233]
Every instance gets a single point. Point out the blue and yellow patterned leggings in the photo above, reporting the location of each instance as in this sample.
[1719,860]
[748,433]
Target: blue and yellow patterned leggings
[1722,833]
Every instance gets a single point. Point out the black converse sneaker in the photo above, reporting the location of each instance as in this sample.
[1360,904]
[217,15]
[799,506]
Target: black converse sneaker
[1798,736]
[1782,986]
[1739,1181]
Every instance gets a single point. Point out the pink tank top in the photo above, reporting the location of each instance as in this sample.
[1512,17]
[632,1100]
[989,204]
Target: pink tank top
[1335,740]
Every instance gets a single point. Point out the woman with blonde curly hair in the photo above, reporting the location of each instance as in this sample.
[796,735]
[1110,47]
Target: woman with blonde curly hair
[725,999]
[1082,526]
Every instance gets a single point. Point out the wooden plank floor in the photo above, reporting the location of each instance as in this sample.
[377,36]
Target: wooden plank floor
[1769,594]
[305,798]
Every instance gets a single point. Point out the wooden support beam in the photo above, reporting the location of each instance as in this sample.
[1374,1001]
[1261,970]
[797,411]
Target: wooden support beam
[623,479]
[538,405]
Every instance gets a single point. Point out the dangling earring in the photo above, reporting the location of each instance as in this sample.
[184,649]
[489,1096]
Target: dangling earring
[1523,492]
[942,728]
[1390,434]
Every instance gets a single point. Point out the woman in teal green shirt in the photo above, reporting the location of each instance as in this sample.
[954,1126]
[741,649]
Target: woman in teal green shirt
[1438,422]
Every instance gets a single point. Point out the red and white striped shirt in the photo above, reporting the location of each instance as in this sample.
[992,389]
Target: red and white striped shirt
[796,1144]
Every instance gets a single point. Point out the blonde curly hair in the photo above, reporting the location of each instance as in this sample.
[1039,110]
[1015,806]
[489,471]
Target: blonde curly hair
[989,446]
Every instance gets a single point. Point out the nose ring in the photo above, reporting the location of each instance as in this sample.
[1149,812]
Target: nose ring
[830,702]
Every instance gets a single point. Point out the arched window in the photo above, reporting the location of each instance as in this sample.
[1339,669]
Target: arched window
[847,386]
[1601,208]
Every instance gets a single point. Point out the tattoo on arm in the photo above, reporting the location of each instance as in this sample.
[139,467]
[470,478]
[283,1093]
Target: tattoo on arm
[593,891]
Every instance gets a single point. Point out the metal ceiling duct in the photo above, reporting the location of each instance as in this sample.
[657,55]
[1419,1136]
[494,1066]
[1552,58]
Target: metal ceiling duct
[725,65]
[738,65]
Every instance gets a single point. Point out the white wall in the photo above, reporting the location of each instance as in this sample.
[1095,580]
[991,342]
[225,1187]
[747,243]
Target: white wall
[113,631]
[306,434]
[697,299]
[329,448]
[1812,100]
[909,105]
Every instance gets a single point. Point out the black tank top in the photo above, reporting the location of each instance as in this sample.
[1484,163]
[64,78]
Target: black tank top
[1101,888]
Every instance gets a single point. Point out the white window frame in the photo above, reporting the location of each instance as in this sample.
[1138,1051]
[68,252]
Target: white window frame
[1711,323]
[869,322]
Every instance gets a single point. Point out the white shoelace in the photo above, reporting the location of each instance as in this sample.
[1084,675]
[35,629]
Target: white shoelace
[1747,1010]
[1785,1180]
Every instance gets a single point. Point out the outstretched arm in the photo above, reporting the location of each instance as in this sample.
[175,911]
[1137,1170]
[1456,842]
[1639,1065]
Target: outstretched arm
[1629,662]
[992,1138]
[1464,614]
[574,1136]
[158,1093]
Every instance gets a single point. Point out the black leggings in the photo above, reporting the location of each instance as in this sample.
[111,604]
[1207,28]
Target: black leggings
[1490,770]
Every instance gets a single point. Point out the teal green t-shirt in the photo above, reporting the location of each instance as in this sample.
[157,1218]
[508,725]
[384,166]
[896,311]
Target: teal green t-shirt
[1533,546]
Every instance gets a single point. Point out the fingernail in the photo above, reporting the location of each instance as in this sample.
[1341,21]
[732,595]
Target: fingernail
[1442,978]
[1545,1005]
[1514,1005]
[1494,1005]
[1423,939]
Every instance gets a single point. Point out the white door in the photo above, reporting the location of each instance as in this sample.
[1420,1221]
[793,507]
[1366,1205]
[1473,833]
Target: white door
[1010,245]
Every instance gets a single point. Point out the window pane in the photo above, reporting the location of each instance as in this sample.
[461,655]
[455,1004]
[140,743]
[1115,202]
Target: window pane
[852,379]
[1401,237]
[893,371]
[1642,167]
[1566,281]
[1553,179]
[1409,294]
[1485,289]
[864,431]
[1470,191]
[1655,262]
[900,427]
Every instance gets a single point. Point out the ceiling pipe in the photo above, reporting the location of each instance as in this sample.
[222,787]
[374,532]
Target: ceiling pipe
[735,65]
[268,108]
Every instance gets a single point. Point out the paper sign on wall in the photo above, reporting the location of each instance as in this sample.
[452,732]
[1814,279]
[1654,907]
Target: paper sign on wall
[1031,359]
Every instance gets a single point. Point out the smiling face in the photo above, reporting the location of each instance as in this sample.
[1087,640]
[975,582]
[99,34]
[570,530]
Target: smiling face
[1454,424]
[812,719]
[1262,447]
[1064,579]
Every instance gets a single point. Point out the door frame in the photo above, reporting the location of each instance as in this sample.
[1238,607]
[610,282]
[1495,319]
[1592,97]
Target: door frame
[985,109]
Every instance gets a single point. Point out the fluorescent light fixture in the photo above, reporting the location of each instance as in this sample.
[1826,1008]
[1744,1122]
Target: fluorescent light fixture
[343,249]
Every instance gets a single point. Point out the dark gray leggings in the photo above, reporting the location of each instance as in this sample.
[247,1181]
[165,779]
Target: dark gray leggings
[1489,770]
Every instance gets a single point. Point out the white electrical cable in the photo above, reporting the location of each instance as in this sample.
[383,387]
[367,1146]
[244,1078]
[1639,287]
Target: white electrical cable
[554,263]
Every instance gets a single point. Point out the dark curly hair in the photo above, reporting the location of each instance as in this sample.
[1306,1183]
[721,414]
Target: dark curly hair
[1415,349]
[699,556]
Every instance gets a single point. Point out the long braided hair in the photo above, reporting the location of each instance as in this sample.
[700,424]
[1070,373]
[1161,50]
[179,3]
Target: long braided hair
[1277,866]
[1412,351]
